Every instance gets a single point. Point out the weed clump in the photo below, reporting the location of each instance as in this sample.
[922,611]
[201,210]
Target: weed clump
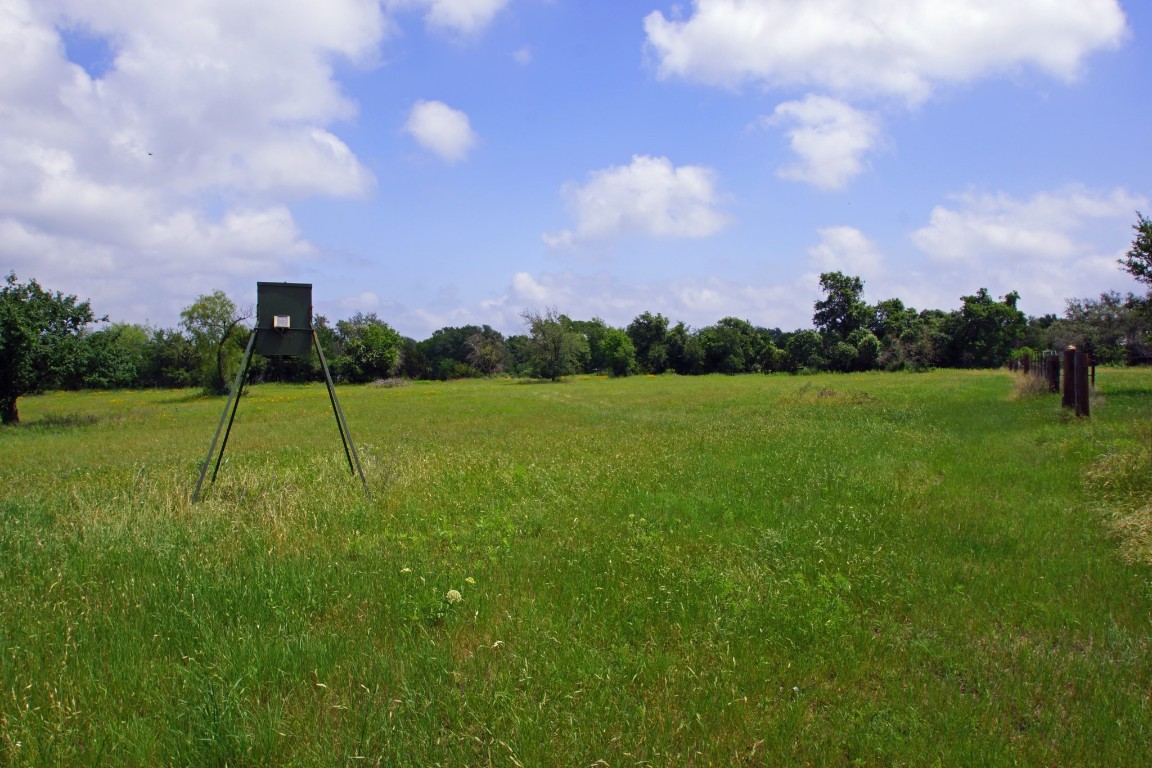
[1028,386]
[1122,484]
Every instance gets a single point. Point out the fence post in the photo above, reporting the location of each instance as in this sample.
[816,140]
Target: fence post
[1069,400]
[1053,372]
[1082,390]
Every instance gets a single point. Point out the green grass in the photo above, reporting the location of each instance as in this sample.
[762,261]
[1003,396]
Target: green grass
[871,569]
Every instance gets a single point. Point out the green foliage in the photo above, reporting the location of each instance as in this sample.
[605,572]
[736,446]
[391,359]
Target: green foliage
[649,334]
[213,323]
[370,349]
[116,356]
[1113,328]
[554,348]
[1138,261]
[985,331]
[617,353]
[804,350]
[487,352]
[40,336]
[842,310]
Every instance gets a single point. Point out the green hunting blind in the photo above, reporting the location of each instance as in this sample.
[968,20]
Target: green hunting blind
[283,329]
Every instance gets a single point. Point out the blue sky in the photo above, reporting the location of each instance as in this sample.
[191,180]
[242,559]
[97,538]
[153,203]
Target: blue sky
[447,162]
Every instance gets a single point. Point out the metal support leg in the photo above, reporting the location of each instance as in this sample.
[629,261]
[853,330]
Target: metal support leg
[341,422]
[233,403]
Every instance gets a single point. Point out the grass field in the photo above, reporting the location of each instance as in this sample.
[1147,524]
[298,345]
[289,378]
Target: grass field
[872,569]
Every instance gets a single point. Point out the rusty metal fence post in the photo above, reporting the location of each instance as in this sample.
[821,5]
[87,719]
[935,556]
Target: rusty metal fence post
[1082,388]
[1069,400]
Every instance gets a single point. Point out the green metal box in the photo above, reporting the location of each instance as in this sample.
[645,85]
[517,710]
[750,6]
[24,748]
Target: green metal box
[284,319]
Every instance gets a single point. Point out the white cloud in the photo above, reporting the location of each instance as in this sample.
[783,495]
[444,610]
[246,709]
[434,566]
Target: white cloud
[106,182]
[442,130]
[848,250]
[830,138]
[1050,247]
[465,17]
[648,197]
[899,48]
[1044,229]
[523,55]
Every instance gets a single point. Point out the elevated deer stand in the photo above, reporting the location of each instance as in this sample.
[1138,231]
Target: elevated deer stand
[283,329]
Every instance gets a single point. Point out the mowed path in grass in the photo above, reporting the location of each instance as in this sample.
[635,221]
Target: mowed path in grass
[868,569]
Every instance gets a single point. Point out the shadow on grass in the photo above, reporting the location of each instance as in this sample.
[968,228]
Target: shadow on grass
[532,382]
[191,397]
[51,422]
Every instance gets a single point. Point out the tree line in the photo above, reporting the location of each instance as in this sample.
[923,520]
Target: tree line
[48,340]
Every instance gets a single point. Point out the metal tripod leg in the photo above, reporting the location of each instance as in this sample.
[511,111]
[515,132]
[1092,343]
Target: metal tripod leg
[233,403]
[341,422]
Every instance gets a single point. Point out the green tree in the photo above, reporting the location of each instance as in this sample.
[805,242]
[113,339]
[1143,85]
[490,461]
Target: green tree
[39,336]
[842,310]
[554,348]
[731,346]
[985,331]
[685,352]
[867,348]
[116,356]
[215,325]
[617,352]
[487,352]
[803,348]
[370,349]
[1138,261]
[649,334]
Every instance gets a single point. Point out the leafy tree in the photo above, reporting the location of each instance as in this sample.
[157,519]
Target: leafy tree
[890,318]
[803,350]
[370,349]
[487,352]
[214,324]
[841,356]
[593,331]
[446,352]
[985,331]
[617,352]
[867,348]
[649,334]
[1113,327]
[116,356]
[731,346]
[841,311]
[39,336]
[1138,261]
[554,348]
[170,360]
[685,352]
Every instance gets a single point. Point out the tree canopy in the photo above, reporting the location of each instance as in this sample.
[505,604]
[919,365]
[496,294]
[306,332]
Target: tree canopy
[1138,261]
[39,336]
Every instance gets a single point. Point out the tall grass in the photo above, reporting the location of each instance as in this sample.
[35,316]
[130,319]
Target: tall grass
[836,570]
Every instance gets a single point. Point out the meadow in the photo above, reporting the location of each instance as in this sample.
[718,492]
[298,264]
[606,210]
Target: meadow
[841,570]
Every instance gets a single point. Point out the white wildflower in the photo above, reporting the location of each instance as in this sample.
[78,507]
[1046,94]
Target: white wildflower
[453,596]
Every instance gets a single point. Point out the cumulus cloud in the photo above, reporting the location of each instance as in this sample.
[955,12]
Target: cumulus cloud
[442,130]
[900,48]
[829,137]
[999,227]
[465,17]
[848,250]
[1048,246]
[648,197]
[171,163]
